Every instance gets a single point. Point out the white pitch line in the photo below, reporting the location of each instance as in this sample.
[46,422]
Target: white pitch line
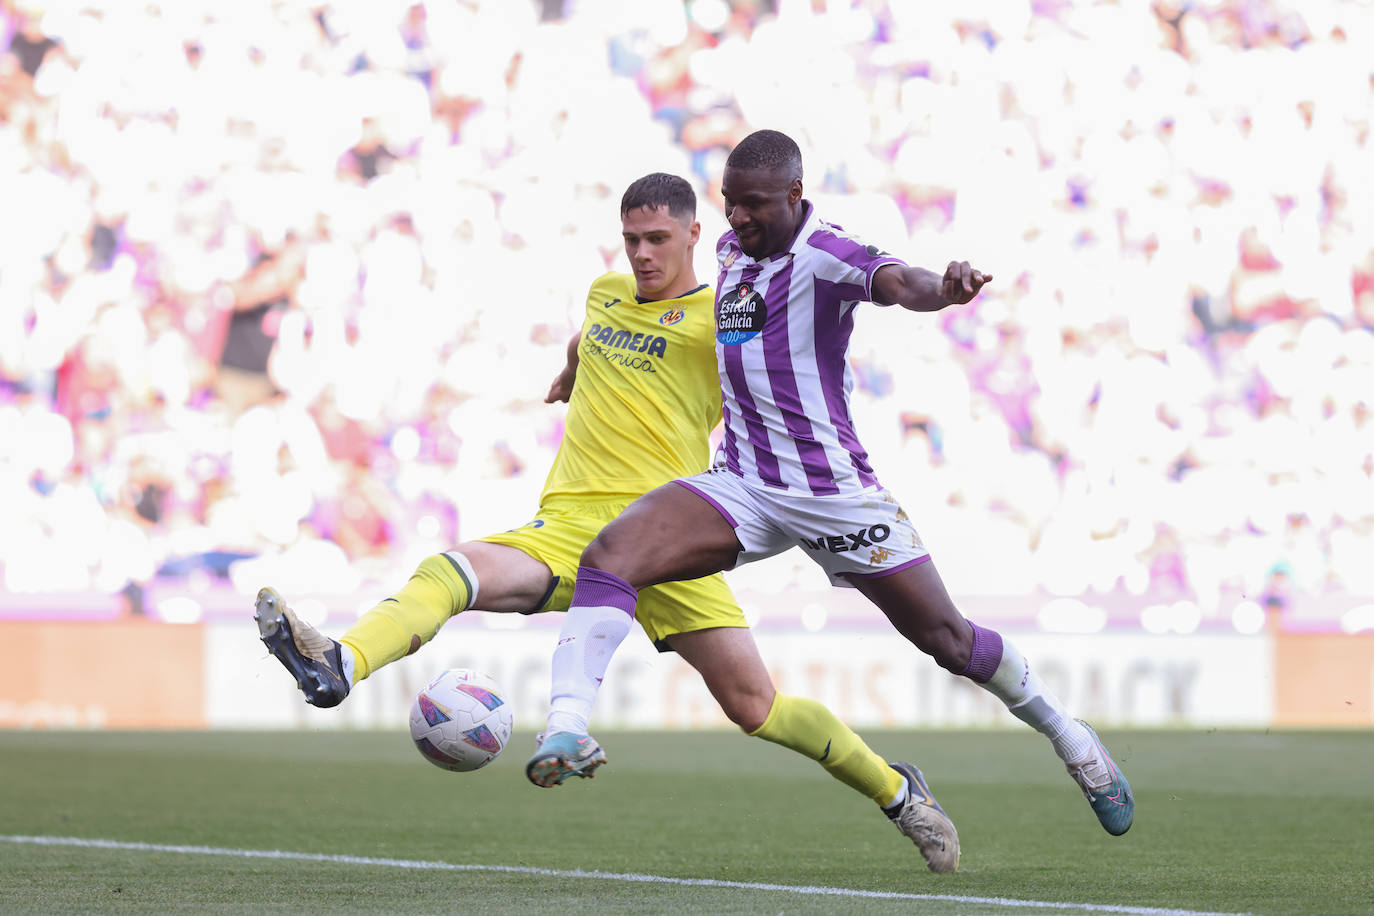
[630,877]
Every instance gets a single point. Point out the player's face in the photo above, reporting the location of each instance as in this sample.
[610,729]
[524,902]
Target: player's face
[659,246]
[763,207]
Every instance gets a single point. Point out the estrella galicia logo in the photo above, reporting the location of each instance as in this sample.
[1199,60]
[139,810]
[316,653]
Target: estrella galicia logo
[740,314]
[671,317]
[840,543]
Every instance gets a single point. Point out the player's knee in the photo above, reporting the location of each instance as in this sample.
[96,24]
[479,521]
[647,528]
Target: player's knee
[595,554]
[744,704]
[749,713]
[614,554]
[605,552]
[950,644]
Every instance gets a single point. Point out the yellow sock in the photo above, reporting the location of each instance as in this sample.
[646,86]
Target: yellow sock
[811,730]
[443,585]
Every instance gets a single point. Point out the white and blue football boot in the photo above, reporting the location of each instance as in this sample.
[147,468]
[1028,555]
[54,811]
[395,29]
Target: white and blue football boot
[562,755]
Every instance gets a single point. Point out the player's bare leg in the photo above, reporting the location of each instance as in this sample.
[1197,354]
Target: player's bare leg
[668,534]
[919,606]
[728,660]
[512,580]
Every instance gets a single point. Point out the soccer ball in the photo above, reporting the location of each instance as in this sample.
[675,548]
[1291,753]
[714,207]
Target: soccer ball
[460,721]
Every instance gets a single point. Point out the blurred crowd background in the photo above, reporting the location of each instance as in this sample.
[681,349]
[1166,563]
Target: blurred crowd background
[283,284]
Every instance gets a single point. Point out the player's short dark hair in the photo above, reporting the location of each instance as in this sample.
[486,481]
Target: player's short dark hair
[659,189]
[766,149]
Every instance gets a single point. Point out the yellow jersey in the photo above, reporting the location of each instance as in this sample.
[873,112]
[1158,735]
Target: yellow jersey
[646,396]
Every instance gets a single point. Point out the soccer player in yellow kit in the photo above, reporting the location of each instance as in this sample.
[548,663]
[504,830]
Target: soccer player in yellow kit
[643,396]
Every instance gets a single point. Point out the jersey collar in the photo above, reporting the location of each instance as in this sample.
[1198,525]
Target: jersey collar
[804,231]
[691,292]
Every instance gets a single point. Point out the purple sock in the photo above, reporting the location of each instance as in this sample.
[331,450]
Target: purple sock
[986,655]
[598,588]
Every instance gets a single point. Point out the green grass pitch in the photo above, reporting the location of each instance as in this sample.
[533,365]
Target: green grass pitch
[1229,822]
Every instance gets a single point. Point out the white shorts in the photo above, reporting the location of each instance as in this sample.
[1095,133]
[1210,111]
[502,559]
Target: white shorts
[861,535]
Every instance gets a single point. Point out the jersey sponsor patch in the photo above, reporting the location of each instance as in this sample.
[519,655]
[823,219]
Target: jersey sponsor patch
[740,315]
[613,338]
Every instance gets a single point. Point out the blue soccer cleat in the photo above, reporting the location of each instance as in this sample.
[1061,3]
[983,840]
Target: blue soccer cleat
[561,755]
[921,819]
[314,660]
[1104,786]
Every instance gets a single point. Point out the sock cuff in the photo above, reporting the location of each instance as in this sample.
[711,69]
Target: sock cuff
[598,588]
[986,655]
[463,567]
[361,669]
[770,720]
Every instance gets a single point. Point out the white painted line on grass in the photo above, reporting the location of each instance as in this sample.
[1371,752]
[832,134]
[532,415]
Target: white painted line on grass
[809,890]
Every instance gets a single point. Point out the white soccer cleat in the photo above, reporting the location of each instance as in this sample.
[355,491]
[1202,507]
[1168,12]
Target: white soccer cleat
[924,822]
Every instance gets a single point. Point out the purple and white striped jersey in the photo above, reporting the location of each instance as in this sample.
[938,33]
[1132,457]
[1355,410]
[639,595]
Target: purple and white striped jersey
[782,334]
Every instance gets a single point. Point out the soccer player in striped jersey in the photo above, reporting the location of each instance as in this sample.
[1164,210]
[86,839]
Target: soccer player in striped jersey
[794,473]
[642,400]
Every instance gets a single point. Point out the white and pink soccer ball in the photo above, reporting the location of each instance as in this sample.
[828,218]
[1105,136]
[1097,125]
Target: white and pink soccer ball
[460,720]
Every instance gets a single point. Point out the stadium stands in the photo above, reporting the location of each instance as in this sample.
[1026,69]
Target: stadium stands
[280,291]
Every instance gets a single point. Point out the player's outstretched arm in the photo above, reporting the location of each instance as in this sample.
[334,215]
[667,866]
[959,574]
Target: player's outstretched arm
[922,290]
[562,386]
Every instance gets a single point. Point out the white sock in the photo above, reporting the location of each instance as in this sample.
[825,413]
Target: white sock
[347,658]
[902,795]
[1030,700]
[589,638]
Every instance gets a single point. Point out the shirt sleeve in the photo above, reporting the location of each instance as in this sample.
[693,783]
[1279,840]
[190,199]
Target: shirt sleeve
[851,261]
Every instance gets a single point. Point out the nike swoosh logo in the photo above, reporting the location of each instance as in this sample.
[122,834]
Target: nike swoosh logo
[826,754]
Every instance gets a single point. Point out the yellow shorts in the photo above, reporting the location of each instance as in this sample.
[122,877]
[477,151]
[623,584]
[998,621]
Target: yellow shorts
[557,537]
